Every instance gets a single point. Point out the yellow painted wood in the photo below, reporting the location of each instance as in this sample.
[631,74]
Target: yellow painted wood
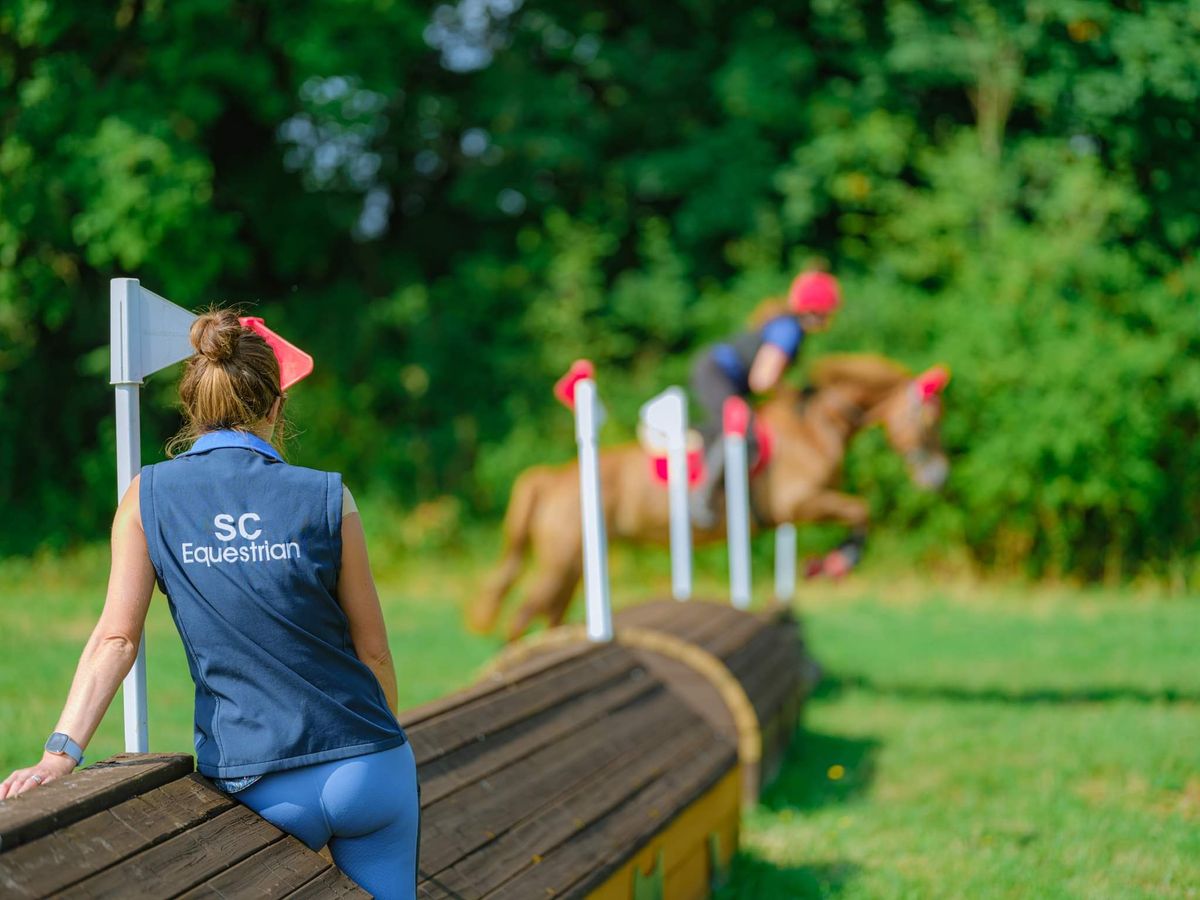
[717,811]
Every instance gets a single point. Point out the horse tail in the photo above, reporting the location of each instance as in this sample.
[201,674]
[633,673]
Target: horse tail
[518,521]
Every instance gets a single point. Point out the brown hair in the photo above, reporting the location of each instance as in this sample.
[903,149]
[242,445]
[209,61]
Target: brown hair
[231,382]
[771,308]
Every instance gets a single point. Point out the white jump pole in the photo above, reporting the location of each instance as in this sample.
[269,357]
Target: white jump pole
[737,499]
[666,416]
[579,389]
[146,333]
[785,562]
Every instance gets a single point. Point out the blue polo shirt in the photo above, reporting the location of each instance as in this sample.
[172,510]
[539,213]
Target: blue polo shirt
[247,549]
[735,357]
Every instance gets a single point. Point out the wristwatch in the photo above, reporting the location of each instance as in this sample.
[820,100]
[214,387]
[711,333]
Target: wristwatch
[60,743]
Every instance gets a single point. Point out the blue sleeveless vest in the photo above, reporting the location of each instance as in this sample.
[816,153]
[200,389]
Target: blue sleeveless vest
[247,549]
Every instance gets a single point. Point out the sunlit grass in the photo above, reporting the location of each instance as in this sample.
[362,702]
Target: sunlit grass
[968,740]
[1005,747]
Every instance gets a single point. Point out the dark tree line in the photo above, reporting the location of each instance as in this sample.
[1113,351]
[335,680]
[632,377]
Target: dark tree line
[447,204]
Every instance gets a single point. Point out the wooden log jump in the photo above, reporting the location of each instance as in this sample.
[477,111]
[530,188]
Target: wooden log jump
[755,662]
[765,653]
[582,773]
[591,771]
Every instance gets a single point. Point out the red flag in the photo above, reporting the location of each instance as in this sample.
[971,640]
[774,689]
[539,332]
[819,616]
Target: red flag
[294,363]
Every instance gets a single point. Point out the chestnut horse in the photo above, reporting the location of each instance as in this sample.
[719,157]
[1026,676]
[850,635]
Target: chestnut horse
[811,433]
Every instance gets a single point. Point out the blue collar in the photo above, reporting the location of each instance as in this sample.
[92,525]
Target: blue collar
[216,440]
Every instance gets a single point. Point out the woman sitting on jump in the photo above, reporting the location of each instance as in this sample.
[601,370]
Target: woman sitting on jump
[265,568]
[752,363]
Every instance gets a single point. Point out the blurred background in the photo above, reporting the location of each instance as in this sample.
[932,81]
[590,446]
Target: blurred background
[448,203]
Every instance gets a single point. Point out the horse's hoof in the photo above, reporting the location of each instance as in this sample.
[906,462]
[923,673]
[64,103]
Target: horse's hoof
[836,565]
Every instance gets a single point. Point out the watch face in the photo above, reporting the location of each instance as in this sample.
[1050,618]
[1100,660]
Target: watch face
[57,742]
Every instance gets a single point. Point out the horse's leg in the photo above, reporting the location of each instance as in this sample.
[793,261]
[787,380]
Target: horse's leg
[560,603]
[853,512]
[482,614]
[549,595]
[832,506]
[519,533]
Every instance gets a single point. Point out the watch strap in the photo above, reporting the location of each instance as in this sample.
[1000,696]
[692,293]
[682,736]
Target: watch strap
[62,743]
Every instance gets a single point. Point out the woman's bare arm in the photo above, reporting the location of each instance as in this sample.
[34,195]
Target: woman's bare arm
[360,602]
[767,368]
[110,651]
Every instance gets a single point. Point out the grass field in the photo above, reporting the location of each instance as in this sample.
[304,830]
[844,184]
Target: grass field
[966,741]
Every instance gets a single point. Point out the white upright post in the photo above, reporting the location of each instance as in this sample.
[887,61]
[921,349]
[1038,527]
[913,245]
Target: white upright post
[666,416]
[589,415]
[785,562]
[126,366]
[737,500]
[146,333]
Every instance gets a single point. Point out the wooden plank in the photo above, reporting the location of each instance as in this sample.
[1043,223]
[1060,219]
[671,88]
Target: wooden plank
[647,615]
[590,799]
[71,854]
[718,628]
[694,688]
[481,759]
[604,846]
[185,860]
[710,621]
[330,884]
[460,726]
[275,871]
[496,681]
[696,621]
[476,815]
[85,792]
[771,674]
[747,659]
[733,636]
[785,688]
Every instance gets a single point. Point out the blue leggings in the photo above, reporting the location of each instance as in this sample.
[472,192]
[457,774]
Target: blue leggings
[364,807]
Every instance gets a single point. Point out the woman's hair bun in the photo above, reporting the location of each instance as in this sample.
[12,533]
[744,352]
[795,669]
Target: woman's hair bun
[215,334]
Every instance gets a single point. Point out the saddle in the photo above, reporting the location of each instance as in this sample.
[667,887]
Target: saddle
[655,448]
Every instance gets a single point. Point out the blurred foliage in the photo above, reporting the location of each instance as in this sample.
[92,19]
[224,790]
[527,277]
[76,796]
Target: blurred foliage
[446,204]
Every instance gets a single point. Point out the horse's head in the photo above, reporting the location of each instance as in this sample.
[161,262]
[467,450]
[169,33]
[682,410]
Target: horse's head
[911,414]
[854,391]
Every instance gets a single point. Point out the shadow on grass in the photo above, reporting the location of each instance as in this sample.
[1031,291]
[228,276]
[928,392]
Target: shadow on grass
[832,685]
[821,770]
[758,878]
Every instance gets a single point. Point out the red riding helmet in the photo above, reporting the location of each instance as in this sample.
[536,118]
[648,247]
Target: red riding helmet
[814,292]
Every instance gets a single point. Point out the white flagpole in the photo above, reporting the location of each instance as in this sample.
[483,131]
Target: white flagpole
[589,415]
[785,562]
[146,333]
[125,338]
[666,417]
[737,501]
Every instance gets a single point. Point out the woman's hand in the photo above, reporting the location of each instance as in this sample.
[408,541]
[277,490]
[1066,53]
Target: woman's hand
[52,766]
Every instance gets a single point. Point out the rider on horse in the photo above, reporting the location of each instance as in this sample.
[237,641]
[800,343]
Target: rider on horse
[752,363]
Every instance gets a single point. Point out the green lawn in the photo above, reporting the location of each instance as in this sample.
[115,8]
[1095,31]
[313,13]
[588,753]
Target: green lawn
[966,742]
[1006,748]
